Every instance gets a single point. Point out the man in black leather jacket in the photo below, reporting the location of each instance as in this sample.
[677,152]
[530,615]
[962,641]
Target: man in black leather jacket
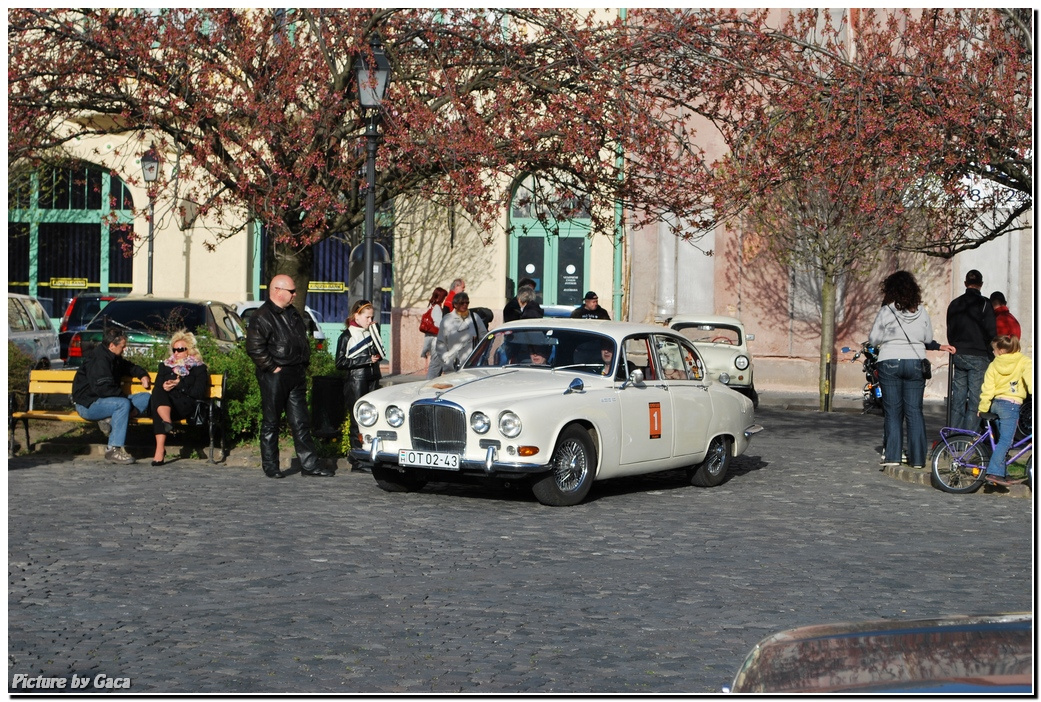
[970,328]
[277,341]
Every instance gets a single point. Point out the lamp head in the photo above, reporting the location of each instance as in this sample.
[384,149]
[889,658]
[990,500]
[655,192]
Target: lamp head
[373,75]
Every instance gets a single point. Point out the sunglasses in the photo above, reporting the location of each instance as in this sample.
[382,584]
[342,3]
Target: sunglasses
[180,349]
[291,291]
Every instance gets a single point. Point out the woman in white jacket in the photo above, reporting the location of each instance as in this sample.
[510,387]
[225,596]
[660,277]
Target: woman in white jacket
[456,337]
[903,331]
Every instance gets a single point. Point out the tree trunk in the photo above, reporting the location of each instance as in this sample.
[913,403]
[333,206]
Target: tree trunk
[829,288]
[284,259]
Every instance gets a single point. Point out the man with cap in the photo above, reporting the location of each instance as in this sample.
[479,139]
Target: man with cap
[590,308]
[970,328]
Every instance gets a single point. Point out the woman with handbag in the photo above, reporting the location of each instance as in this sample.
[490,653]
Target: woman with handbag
[359,351]
[459,333]
[430,322]
[903,331]
[181,384]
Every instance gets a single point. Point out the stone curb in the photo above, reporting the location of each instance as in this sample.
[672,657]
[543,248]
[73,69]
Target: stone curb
[924,477]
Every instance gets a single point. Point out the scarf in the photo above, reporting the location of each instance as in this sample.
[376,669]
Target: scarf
[182,367]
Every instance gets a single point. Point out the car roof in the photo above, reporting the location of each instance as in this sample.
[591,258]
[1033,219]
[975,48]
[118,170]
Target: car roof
[617,330]
[706,319]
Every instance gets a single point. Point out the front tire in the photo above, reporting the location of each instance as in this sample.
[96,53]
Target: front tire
[397,481]
[958,467]
[714,468]
[573,468]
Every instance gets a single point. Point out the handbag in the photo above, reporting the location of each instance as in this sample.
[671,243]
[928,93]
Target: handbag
[200,416]
[426,322]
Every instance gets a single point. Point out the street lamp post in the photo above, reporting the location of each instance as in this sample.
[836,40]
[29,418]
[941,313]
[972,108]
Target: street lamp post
[150,171]
[372,86]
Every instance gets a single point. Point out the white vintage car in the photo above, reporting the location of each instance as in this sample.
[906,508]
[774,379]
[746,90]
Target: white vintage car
[723,344]
[558,403]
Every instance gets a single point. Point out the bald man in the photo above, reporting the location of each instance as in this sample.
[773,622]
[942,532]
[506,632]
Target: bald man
[278,342]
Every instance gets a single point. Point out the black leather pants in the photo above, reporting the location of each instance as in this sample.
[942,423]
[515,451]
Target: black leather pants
[285,390]
[360,381]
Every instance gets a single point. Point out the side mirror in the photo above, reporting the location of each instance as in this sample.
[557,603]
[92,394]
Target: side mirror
[635,378]
[575,385]
[750,337]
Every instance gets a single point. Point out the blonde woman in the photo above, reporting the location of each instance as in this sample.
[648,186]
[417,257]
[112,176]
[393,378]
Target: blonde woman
[182,380]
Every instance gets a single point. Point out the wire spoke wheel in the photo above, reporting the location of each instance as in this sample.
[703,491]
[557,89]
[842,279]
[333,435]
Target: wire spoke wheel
[572,472]
[958,466]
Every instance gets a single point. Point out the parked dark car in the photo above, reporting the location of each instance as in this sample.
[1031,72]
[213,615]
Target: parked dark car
[80,310]
[30,328]
[150,320]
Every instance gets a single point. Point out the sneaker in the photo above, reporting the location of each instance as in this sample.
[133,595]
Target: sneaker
[885,463]
[117,454]
[105,425]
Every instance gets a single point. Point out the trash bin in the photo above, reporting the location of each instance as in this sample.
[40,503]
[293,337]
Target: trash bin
[327,409]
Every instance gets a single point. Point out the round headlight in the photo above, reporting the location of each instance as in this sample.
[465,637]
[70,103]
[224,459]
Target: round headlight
[741,362]
[724,378]
[509,425]
[395,416]
[366,414]
[480,422]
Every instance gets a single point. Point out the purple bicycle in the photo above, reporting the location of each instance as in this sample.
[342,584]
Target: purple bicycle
[960,458]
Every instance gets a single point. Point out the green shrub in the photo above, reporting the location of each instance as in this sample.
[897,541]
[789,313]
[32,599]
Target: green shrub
[19,363]
[242,394]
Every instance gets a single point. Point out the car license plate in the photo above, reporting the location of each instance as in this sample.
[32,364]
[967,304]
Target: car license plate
[428,459]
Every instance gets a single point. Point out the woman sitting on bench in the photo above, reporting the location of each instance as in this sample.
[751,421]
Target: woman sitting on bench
[181,382]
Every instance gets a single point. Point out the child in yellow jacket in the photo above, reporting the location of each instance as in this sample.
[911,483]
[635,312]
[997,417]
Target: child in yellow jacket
[1005,386]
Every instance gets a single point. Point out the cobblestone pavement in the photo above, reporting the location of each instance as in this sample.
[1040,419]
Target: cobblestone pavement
[192,578]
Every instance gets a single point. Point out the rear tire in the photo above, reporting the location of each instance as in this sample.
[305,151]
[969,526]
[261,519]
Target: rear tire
[950,469]
[393,480]
[713,469]
[573,468]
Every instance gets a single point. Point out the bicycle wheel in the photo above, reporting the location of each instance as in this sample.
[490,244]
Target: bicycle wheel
[958,466]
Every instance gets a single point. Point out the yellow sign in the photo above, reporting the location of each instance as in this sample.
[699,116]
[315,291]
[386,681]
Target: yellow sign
[68,282]
[325,286]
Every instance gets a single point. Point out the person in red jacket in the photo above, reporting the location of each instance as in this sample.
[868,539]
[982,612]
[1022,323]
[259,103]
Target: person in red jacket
[1007,324]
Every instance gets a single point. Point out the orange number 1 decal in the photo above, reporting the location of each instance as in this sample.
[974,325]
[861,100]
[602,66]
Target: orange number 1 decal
[654,409]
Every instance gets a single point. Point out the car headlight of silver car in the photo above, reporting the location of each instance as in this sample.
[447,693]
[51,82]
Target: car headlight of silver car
[366,414]
[395,416]
[741,362]
[509,425]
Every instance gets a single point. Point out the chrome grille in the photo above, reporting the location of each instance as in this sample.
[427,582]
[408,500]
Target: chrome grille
[437,426]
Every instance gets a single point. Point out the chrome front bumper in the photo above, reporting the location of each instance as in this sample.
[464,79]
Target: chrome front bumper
[489,466]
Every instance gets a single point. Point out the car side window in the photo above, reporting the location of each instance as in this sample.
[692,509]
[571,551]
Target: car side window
[637,353]
[225,330]
[692,360]
[673,359]
[39,315]
[17,318]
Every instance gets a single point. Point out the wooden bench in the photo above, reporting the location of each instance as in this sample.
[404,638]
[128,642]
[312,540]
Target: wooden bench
[59,382]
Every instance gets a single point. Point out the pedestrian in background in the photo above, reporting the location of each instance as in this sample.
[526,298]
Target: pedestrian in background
[1006,384]
[970,328]
[430,322]
[181,382]
[97,392]
[523,306]
[590,308]
[279,345]
[460,330]
[458,285]
[903,331]
[1004,323]
[359,352]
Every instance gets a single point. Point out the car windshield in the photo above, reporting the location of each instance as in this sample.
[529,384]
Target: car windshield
[150,315]
[545,349]
[710,333]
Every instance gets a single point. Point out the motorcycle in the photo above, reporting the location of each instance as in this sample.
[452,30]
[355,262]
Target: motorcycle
[872,388]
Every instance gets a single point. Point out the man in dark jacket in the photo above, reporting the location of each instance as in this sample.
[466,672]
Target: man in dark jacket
[277,341]
[97,392]
[590,308]
[970,328]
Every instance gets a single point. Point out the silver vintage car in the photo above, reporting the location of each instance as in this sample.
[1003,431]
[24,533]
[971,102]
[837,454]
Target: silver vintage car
[558,404]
